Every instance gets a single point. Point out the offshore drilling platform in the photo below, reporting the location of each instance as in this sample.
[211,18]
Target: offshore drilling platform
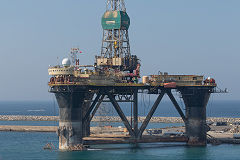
[115,77]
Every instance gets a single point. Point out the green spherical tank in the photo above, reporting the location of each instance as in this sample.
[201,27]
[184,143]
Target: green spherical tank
[115,20]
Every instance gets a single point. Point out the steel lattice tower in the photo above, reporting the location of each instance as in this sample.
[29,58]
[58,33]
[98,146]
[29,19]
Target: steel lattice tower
[115,50]
[117,5]
[115,41]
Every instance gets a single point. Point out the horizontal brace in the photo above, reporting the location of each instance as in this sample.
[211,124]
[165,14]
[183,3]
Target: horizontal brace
[110,101]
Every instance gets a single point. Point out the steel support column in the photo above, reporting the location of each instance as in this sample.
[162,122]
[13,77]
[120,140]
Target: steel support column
[121,114]
[96,108]
[135,112]
[150,114]
[85,106]
[170,95]
[91,107]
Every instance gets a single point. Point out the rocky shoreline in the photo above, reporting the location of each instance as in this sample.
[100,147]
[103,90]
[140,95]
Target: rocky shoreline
[113,119]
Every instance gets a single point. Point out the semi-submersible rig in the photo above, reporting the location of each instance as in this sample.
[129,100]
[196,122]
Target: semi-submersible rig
[114,77]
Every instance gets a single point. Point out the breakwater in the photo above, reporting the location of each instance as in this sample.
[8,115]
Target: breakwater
[28,128]
[113,119]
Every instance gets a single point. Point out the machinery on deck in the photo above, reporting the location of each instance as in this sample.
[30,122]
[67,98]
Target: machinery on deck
[68,74]
[115,65]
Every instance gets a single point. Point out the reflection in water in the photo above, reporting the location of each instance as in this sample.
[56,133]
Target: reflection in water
[134,148]
[123,151]
[195,153]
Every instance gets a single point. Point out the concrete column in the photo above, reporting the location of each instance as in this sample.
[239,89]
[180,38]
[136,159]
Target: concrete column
[70,129]
[196,99]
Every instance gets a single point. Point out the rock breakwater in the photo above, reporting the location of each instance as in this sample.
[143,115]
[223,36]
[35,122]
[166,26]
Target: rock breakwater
[28,118]
[113,119]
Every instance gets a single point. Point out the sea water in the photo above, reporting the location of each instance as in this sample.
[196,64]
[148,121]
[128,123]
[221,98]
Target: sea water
[28,145]
[19,145]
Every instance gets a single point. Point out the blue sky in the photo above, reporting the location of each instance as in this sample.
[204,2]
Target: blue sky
[179,37]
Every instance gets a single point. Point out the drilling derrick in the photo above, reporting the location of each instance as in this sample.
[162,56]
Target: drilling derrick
[115,50]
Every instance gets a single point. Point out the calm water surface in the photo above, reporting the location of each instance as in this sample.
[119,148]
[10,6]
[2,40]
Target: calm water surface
[19,145]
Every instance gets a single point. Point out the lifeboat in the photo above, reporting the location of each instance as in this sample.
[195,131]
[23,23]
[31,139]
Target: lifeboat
[170,85]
